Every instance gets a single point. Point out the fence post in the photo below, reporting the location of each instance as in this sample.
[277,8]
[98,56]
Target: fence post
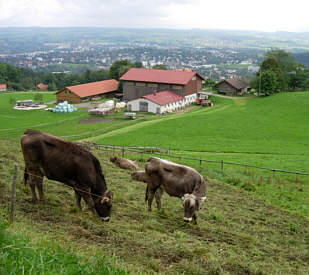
[200,163]
[13,202]
[273,175]
[122,151]
[180,159]
[222,162]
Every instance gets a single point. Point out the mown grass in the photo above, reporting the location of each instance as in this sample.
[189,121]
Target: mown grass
[14,122]
[237,232]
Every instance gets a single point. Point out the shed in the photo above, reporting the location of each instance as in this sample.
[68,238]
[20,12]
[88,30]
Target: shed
[233,86]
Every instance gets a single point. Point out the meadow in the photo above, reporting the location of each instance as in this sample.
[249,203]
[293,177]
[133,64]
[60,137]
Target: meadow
[253,222]
[237,232]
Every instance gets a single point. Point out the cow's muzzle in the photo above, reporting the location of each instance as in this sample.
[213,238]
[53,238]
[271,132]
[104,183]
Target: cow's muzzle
[185,219]
[105,219]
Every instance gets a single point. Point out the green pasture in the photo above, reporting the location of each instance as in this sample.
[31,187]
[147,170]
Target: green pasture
[271,131]
[14,122]
[237,231]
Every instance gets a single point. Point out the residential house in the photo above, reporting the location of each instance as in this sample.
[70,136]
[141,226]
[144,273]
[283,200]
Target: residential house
[42,87]
[2,87]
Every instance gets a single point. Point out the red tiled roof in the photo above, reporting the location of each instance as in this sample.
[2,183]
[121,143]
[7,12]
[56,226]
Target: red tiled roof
[159,76]
[42,86]
[163,97]
[2,86]
[94,88]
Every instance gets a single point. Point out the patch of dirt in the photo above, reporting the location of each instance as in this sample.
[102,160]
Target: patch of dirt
[96,120]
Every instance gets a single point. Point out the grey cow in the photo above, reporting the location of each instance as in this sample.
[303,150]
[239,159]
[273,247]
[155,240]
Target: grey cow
[178,181]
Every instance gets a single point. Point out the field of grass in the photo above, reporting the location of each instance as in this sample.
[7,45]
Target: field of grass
[14,122]
[237,232]
[254,222]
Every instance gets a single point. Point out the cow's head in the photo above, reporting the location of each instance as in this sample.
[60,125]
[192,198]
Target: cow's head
[113,158]
[191,204]
[103,205]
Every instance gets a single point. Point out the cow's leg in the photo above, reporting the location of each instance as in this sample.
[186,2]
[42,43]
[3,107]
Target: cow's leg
[34,197]
[151,194]
[39,185]
[78,200]
[158,196]
[194,218]
[88,200]
[32,181]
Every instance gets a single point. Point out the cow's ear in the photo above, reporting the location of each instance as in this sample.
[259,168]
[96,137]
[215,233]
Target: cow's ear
[201,199]
[183,198]
[109,194]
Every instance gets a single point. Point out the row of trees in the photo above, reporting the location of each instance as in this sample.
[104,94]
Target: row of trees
[22,79]
[279,71]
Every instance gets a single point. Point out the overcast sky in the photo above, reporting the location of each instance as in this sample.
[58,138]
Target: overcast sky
[263,15]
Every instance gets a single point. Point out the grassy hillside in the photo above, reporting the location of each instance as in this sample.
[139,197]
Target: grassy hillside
[14,122]
[237,233]
[265,131]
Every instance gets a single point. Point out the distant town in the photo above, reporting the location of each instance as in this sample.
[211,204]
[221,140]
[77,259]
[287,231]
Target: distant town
[214,54]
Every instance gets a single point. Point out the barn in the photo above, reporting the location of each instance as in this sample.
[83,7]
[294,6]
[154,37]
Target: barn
[138,82]
[88,91]
[233,86]
[158,103]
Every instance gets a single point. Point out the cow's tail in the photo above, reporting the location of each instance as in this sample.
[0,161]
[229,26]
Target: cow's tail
[26,176]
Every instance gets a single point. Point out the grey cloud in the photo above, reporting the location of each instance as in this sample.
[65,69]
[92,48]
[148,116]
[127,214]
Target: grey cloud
[126,13]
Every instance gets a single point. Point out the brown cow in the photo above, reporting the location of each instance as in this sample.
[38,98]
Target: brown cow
[178,181]
[144,177]
[60,160]
[124,163]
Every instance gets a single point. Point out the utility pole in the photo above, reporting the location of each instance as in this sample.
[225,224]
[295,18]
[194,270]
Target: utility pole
[260,80]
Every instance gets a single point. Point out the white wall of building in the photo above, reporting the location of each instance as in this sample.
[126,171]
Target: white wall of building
[134,105]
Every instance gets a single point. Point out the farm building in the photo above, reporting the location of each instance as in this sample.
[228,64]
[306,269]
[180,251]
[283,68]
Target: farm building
[138,82]
[158,103]
[233,86]
[88,91]
[42,87]
[2,87]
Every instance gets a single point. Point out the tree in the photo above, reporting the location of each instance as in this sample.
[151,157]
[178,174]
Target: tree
[160,67]
[294,74]
[119,68]
[138,64]
[269,82]
[210,84]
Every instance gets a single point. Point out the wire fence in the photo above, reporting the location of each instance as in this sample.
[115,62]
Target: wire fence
[166,152]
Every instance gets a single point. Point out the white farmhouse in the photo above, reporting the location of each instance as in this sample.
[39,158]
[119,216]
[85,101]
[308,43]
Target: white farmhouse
[160,102]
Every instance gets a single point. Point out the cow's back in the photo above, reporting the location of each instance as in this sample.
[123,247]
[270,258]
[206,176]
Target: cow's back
[58,159]
[176,178]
